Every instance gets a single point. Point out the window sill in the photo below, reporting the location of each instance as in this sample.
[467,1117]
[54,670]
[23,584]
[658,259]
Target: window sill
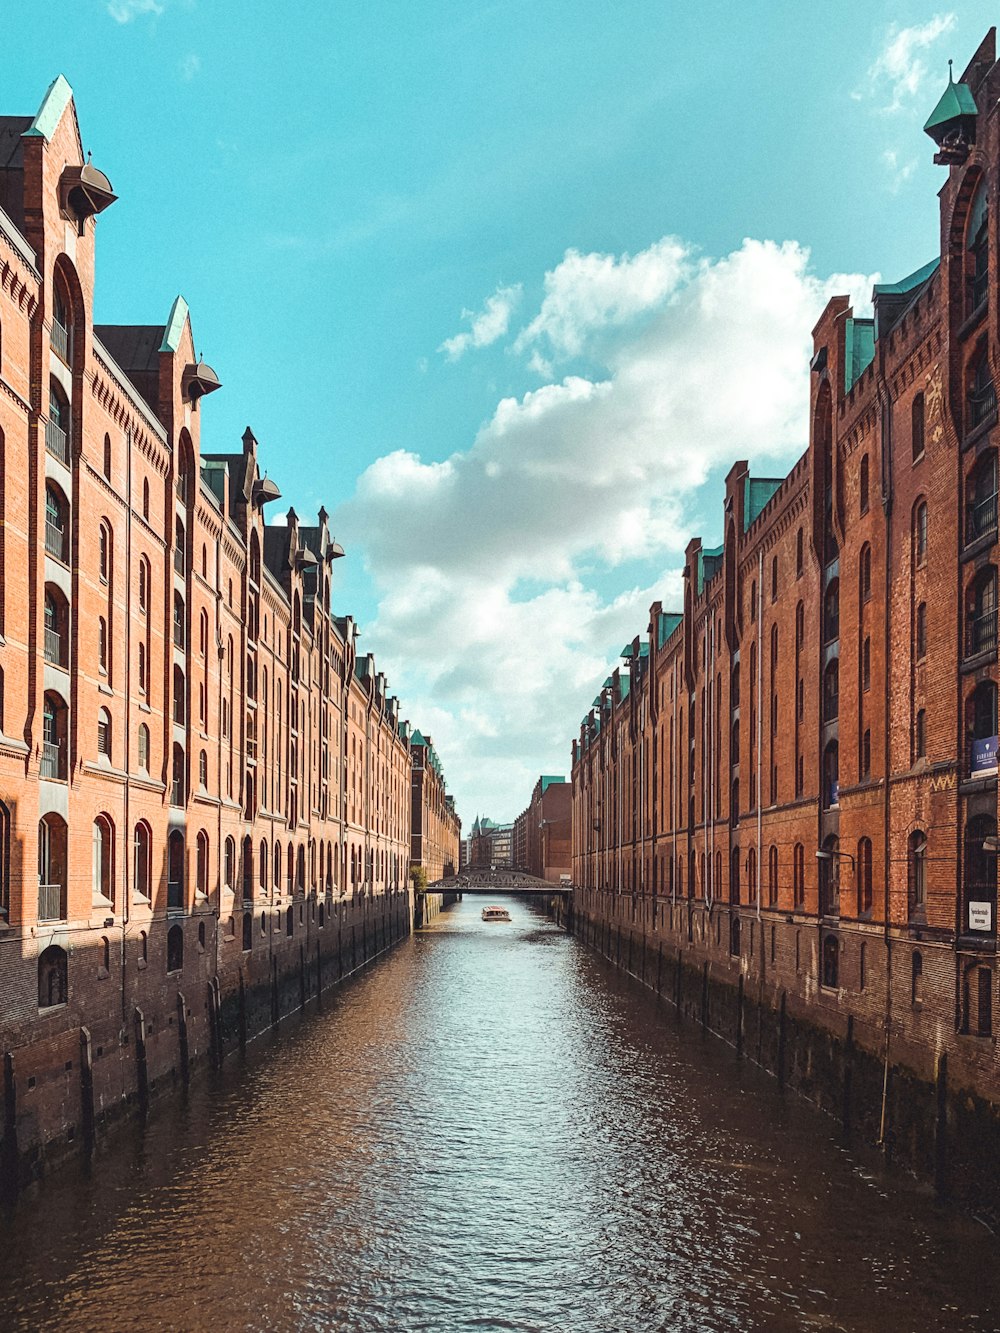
[973,663]
[978,545]
[979,431]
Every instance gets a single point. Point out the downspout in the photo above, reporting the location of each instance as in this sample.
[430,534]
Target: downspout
[886,409]
[760,702]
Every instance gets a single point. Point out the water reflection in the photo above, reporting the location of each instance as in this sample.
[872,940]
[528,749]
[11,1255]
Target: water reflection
[489,1130]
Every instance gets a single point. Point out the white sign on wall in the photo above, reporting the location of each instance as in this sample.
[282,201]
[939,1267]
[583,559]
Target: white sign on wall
[980,916]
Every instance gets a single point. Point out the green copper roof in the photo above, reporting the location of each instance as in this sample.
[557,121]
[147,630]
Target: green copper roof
[859,349]
[175,325]
[757,491]
[955,101]
[549,781]
[667,623]
[54,103]
[908,284]
[417,739]
[624,685]
[626,652]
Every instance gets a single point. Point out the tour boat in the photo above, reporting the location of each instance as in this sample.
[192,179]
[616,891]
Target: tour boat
[495,914]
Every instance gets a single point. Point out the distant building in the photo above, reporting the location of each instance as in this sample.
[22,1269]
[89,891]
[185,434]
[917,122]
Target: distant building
[491,844]
[435,828]
[543,832]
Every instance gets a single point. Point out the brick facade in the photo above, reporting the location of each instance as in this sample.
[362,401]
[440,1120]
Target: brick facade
[829,684]
[203,784]
[435,828]
[542,832]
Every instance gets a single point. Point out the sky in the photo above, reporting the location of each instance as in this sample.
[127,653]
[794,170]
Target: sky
[506,284]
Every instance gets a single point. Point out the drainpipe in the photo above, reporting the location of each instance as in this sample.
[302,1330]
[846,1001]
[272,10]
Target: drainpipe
[886,413]
[760,701]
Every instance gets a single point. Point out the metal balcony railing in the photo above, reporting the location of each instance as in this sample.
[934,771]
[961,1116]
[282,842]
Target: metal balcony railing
[55,540]
[52,764]
[981,518]
[982,405]
[53,646]
[978,288]
[981,633]
[831,707]
[179,559]
[56,442]
[178,634]
[175,893]
[50,900]
[59,338]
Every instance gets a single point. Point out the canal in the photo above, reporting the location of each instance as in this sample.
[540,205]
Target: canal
[489,1130]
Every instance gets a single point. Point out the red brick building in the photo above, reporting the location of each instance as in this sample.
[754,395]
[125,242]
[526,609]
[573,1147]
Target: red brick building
[542,832]
[203,785]
[435,828]
[793,775]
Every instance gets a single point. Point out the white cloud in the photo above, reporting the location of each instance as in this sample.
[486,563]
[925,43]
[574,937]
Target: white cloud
[123,11]
[487,326]
[490,565]
[900,73]
[897,172]
[190,66]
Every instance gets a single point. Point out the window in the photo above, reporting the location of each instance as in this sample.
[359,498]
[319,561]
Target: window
[103,839]
[798,874]
[56,617]
[203,769]
[917,427]
[920,533]
[56,524]
[289,922]
[829,877]
[866,753]
[772,877]
[142,844]
[143,747]
[799,557]
[175,948]
[104,553]
[229,863]
[831,690]
[4,862]
[104,734]
[247,931]
[52,868]
[863,486]
[916,977]
[977,243]
[864,873]
[57,428]
[107,456]
[981,613]
[201,864]
[180,696]
[145,499]
[865,573]
[144,585]
[753,600]
[831,962]
[831,612]
[102,646]
[920,735]
[177,782]
[980,876]
[175,870]
[982,393]
[52,977]
[180,637]
[981,498]
[774,579]
[921,632]
[143,670]
[981,723]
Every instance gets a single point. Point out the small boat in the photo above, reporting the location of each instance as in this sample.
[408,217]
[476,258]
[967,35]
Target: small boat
[495,914]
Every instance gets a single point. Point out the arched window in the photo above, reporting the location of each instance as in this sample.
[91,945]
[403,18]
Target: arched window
[920,735]
[799,554]
[917,427]
[229,863]
[143,948]
[180,696]
[977,243]
[772,877]
[981,613]
[831,690]
[52,868]
[920,533]
[866,753]
[57,428]
[4,863]
[143,585]
[143,747]
[798,874]
[865,573]
[831,611]
[201,864]
[829,877]
[53,762]
[981,721]
[175,948]
[863,486]
[263,866]
[289,922]
[145,499]
[866,663]
[180,636]
[774,578]
[107,456]
[752,875]
[246,860]
[203,769]
[56,523]
[981,498]
[831,962]
[277,867]
[981,875]
[916,977]
[52,977]
[61,331]
[105,548]
[864,873]
[831,775]
[175,870]
[290,872]
[300,882]
[753,601]
[142,847]
[104,733]
[178,785]
[734,748]
[916,872]
[921,632]
[55,613]
[103,868]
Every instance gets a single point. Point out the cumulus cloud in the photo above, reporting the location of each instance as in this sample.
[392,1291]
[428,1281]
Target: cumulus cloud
[490,564]
[123,11]
[487,325]
[900,73]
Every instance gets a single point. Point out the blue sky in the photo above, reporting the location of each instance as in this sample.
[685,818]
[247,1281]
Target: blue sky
[505,285]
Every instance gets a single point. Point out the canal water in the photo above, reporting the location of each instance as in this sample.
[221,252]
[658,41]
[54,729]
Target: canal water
[489,1130]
